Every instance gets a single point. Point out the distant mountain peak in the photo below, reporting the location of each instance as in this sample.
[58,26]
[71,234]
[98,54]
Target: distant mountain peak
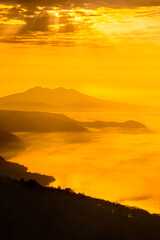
[36,88]
[62,89]
[59,100]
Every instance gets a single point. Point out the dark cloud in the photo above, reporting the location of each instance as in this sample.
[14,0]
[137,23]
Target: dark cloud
[15,13]
[79,3]
[40,16]
[67,28]
[31,19]
[37,23]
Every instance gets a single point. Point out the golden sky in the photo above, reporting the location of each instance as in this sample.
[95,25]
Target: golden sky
[110,53]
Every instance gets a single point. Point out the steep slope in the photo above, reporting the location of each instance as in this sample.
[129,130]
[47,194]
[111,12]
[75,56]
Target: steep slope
[30,211]
[59,99]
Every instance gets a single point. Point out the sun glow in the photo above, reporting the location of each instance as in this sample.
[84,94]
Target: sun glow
[100,27]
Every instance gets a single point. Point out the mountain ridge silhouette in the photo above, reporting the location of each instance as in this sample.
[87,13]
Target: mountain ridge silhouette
[59,100]
[24,121]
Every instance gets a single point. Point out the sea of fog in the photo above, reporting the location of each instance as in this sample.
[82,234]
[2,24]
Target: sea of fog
[120,167]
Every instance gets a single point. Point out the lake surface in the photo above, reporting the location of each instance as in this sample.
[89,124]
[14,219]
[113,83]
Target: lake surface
[122,167]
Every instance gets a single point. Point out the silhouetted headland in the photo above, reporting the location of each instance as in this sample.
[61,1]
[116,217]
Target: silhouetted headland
[17,171]
[21,121]
[102,124]
[129,126]
[10,144]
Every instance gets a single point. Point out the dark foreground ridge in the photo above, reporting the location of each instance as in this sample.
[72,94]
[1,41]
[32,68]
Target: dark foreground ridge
[32,212]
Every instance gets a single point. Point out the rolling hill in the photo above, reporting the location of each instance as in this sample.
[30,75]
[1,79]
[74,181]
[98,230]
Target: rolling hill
[20,121]
[23,121]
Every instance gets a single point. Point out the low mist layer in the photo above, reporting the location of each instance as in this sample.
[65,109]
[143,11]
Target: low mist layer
[119,166]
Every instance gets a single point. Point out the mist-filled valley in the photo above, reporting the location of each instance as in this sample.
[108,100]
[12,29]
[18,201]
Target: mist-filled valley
[121,165]
[111,155]
[80,174]
[79,119]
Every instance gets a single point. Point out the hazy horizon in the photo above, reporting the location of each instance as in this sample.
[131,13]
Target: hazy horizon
[105,97]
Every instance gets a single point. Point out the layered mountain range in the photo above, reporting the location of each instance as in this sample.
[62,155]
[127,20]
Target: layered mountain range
[23,121]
